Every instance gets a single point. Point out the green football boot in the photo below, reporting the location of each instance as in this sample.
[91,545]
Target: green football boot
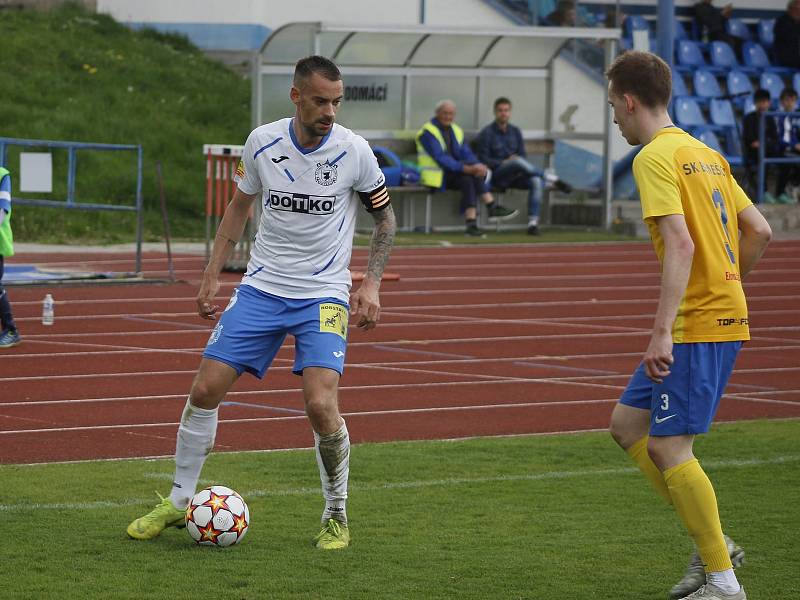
[157,520]
[333,536]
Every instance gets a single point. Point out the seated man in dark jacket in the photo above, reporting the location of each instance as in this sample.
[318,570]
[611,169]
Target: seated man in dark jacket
[446,162]
[750,135]
[712,22]
[787,36]
[500,146]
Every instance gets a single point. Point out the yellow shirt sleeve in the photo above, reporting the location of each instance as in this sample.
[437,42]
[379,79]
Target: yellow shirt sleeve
[658,185]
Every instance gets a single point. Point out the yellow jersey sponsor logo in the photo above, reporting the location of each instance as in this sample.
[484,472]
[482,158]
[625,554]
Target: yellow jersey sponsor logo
[333,319]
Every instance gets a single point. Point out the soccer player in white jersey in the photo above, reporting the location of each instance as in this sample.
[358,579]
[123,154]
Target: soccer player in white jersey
[309,174]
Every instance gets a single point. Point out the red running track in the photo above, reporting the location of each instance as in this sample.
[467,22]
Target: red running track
[473,341]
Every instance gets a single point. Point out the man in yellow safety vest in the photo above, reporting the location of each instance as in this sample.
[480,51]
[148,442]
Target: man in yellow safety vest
[446,162]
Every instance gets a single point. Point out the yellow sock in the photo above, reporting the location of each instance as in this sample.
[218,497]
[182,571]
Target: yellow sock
[638,452]
[694,499]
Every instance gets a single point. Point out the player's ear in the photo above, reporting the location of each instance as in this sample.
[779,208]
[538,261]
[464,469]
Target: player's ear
[294,95]
[630,103]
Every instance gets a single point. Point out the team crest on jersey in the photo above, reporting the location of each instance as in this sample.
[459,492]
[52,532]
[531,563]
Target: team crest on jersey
[239,171]
[325,174]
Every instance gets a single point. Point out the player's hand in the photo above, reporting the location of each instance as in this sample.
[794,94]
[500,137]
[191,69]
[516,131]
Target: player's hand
[658,357]
[365,305]
[205,297]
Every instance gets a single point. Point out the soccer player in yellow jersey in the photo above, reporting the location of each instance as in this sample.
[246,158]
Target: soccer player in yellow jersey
[708,236]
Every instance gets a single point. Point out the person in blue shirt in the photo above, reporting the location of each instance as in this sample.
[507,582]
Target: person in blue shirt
[501,147]
[9,336]
[445,161]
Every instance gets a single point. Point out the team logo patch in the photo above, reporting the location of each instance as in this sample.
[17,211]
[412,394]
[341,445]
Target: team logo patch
[325,174]
[240,170]
[333,319]
[215,334]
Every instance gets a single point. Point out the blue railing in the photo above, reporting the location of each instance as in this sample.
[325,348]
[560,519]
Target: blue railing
[70,201]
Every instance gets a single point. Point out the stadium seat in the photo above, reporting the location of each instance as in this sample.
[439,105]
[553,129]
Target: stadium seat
[705,84]
[722,55]
[796,82]
[680,31]
[738,28]
[690,57]
[766,32]
[773,84]
[636,23]
[755,56]
[688,114]
[721,113]
[708,137]
[739,86]
[679,85]
[748,105]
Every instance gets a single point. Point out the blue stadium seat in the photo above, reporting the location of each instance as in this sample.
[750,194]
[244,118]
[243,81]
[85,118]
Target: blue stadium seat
[796,82]
[722,55]
[708,137]
[636,23]
[679,85]
[733,143]
[738,28]
[689,56]
[680,31]
[688,114]
[773,84]
[705,84]
[755,56]
[722,113]
[739,86]
[748,105]
[766,32]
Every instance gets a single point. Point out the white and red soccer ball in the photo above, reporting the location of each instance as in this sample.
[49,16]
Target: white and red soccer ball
[217,516]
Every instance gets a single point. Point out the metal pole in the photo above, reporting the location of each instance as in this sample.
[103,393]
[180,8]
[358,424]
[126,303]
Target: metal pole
[139,212]
[610,47]
[422,12]
[666,30]
[761,168]
[71,175]
[165,220]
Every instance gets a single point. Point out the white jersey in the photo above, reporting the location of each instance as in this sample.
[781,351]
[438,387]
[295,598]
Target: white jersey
[308,210]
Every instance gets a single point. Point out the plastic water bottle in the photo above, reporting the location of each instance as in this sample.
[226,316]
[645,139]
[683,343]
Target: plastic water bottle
[48,312]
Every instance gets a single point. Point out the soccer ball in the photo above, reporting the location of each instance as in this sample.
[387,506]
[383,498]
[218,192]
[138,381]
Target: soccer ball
[217,516]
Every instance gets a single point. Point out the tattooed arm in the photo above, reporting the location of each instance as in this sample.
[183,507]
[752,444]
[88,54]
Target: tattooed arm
[365,301]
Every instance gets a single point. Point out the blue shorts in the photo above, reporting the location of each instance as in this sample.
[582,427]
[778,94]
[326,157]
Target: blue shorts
[687,400]
[252,328]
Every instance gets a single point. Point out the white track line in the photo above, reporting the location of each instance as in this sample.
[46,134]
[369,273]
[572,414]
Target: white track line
[398,485]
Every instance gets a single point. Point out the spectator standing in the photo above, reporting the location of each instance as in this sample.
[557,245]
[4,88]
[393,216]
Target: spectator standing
[500,146]
[787,36]
[9,336]
[750,136]
[446,162]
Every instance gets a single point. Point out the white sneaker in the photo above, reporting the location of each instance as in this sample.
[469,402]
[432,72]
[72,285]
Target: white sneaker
[712,592]
[695,575]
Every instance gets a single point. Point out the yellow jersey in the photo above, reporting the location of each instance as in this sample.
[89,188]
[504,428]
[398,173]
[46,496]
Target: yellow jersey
[677,174]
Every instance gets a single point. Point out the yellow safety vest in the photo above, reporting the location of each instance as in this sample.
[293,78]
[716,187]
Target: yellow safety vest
[430,172]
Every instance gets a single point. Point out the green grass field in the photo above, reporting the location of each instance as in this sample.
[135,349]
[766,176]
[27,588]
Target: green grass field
[520,517]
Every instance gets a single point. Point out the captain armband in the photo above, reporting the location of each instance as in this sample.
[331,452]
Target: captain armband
[376,200]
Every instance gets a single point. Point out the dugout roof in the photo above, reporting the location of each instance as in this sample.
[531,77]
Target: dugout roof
[394,75]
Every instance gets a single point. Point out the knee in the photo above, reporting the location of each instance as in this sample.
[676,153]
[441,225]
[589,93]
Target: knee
[623,435]
[204,394]
[322,412]
[659,452]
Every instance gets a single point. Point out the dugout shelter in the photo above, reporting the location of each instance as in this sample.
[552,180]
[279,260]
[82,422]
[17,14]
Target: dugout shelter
[394,76]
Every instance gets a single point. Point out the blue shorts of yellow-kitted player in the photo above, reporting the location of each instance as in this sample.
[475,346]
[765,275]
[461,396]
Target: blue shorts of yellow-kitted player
[688,398]
[252,328]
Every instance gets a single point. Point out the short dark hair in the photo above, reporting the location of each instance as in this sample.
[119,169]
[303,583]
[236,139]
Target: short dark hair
[787,91]
[641,74]
[761,94]
[309,65]
[501,100]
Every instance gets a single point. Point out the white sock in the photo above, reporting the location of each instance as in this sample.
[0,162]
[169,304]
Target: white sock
[333,459]
[196,436]
[533,221]
[724,580]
